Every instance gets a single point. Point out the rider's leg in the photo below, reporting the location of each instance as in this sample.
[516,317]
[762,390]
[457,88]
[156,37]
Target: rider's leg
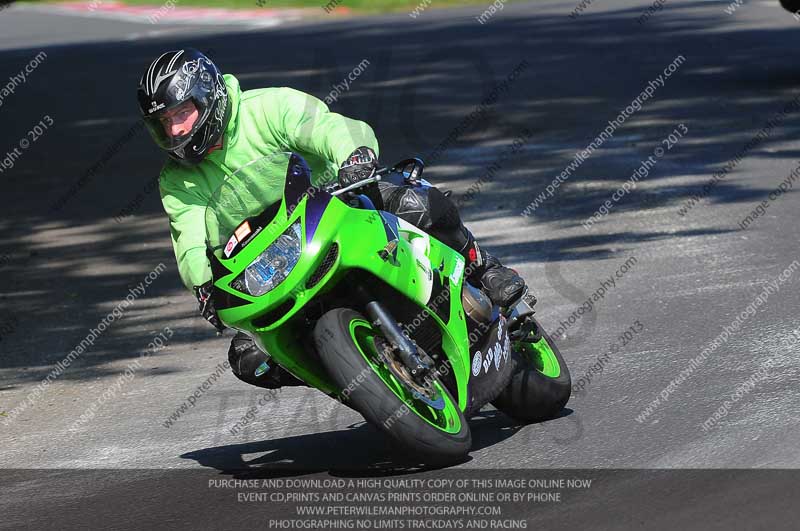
[431,210]
[252,365]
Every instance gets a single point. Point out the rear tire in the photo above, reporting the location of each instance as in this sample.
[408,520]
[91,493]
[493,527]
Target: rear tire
[338,336]
[536,392]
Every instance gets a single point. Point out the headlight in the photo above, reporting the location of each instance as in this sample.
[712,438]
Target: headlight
[273,265]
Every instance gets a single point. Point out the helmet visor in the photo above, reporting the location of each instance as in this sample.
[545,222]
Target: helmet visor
[174,126]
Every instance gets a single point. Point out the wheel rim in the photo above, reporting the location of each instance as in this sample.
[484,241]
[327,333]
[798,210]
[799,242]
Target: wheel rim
[542,356]
[446,419]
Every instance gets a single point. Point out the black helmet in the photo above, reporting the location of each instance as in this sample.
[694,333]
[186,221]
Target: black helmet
[174,79]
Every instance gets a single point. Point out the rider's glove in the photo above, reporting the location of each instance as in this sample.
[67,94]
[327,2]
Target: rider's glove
[207,309]
[360,165]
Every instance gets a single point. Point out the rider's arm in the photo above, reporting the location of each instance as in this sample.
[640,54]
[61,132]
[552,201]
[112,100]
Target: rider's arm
[309,126]
[186,213]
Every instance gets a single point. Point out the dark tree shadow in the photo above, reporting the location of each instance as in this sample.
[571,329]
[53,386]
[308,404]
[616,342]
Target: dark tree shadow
[62,270]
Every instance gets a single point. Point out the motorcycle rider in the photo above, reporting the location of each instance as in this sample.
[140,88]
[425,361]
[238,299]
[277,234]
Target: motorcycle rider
[209,127]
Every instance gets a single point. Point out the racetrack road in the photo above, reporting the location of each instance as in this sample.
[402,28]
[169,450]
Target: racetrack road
[693,307]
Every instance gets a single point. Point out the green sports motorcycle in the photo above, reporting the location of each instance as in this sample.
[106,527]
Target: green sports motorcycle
[396,332]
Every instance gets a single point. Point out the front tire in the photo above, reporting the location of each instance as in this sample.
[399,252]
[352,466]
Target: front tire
[540,386]
[346,343]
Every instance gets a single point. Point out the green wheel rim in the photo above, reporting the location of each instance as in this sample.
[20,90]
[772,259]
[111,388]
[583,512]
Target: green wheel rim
[446,420]
[542,356]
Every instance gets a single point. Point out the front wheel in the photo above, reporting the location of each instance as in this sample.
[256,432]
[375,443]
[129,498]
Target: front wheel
[429,423]
[540,386]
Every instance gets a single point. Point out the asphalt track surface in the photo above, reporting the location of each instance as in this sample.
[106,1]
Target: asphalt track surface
[64,269]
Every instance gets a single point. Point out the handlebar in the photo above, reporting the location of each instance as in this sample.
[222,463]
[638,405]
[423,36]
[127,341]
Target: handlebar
[375,178]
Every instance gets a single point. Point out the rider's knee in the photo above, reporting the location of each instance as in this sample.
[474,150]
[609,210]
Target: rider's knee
[245,358]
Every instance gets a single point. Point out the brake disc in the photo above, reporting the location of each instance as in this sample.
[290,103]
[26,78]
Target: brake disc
[420,391]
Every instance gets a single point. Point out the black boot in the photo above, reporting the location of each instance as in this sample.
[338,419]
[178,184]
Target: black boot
[250,364]
[502,284]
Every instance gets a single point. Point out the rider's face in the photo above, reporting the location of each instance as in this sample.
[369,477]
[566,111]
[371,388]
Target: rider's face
[180,120]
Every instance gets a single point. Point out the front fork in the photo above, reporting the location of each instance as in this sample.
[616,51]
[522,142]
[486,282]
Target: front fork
[406,349]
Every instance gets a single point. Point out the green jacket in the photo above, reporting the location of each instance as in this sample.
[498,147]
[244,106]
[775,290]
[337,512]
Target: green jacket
[262,122]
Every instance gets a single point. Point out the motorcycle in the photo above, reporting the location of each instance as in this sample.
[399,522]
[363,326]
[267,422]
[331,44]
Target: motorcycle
[397,333]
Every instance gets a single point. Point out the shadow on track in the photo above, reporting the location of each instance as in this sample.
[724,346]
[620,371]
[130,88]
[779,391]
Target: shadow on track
[358,451]
[69,267]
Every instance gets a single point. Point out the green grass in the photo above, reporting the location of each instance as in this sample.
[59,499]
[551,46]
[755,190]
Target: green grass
[365,6]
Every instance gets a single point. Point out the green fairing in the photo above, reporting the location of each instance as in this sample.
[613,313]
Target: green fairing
[359,247]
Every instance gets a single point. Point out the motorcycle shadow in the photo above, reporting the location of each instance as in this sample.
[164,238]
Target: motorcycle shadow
[490,427]
[357,451]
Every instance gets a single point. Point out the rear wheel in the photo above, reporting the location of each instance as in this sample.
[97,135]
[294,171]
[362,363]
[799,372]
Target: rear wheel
[426,421]
[540,386]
